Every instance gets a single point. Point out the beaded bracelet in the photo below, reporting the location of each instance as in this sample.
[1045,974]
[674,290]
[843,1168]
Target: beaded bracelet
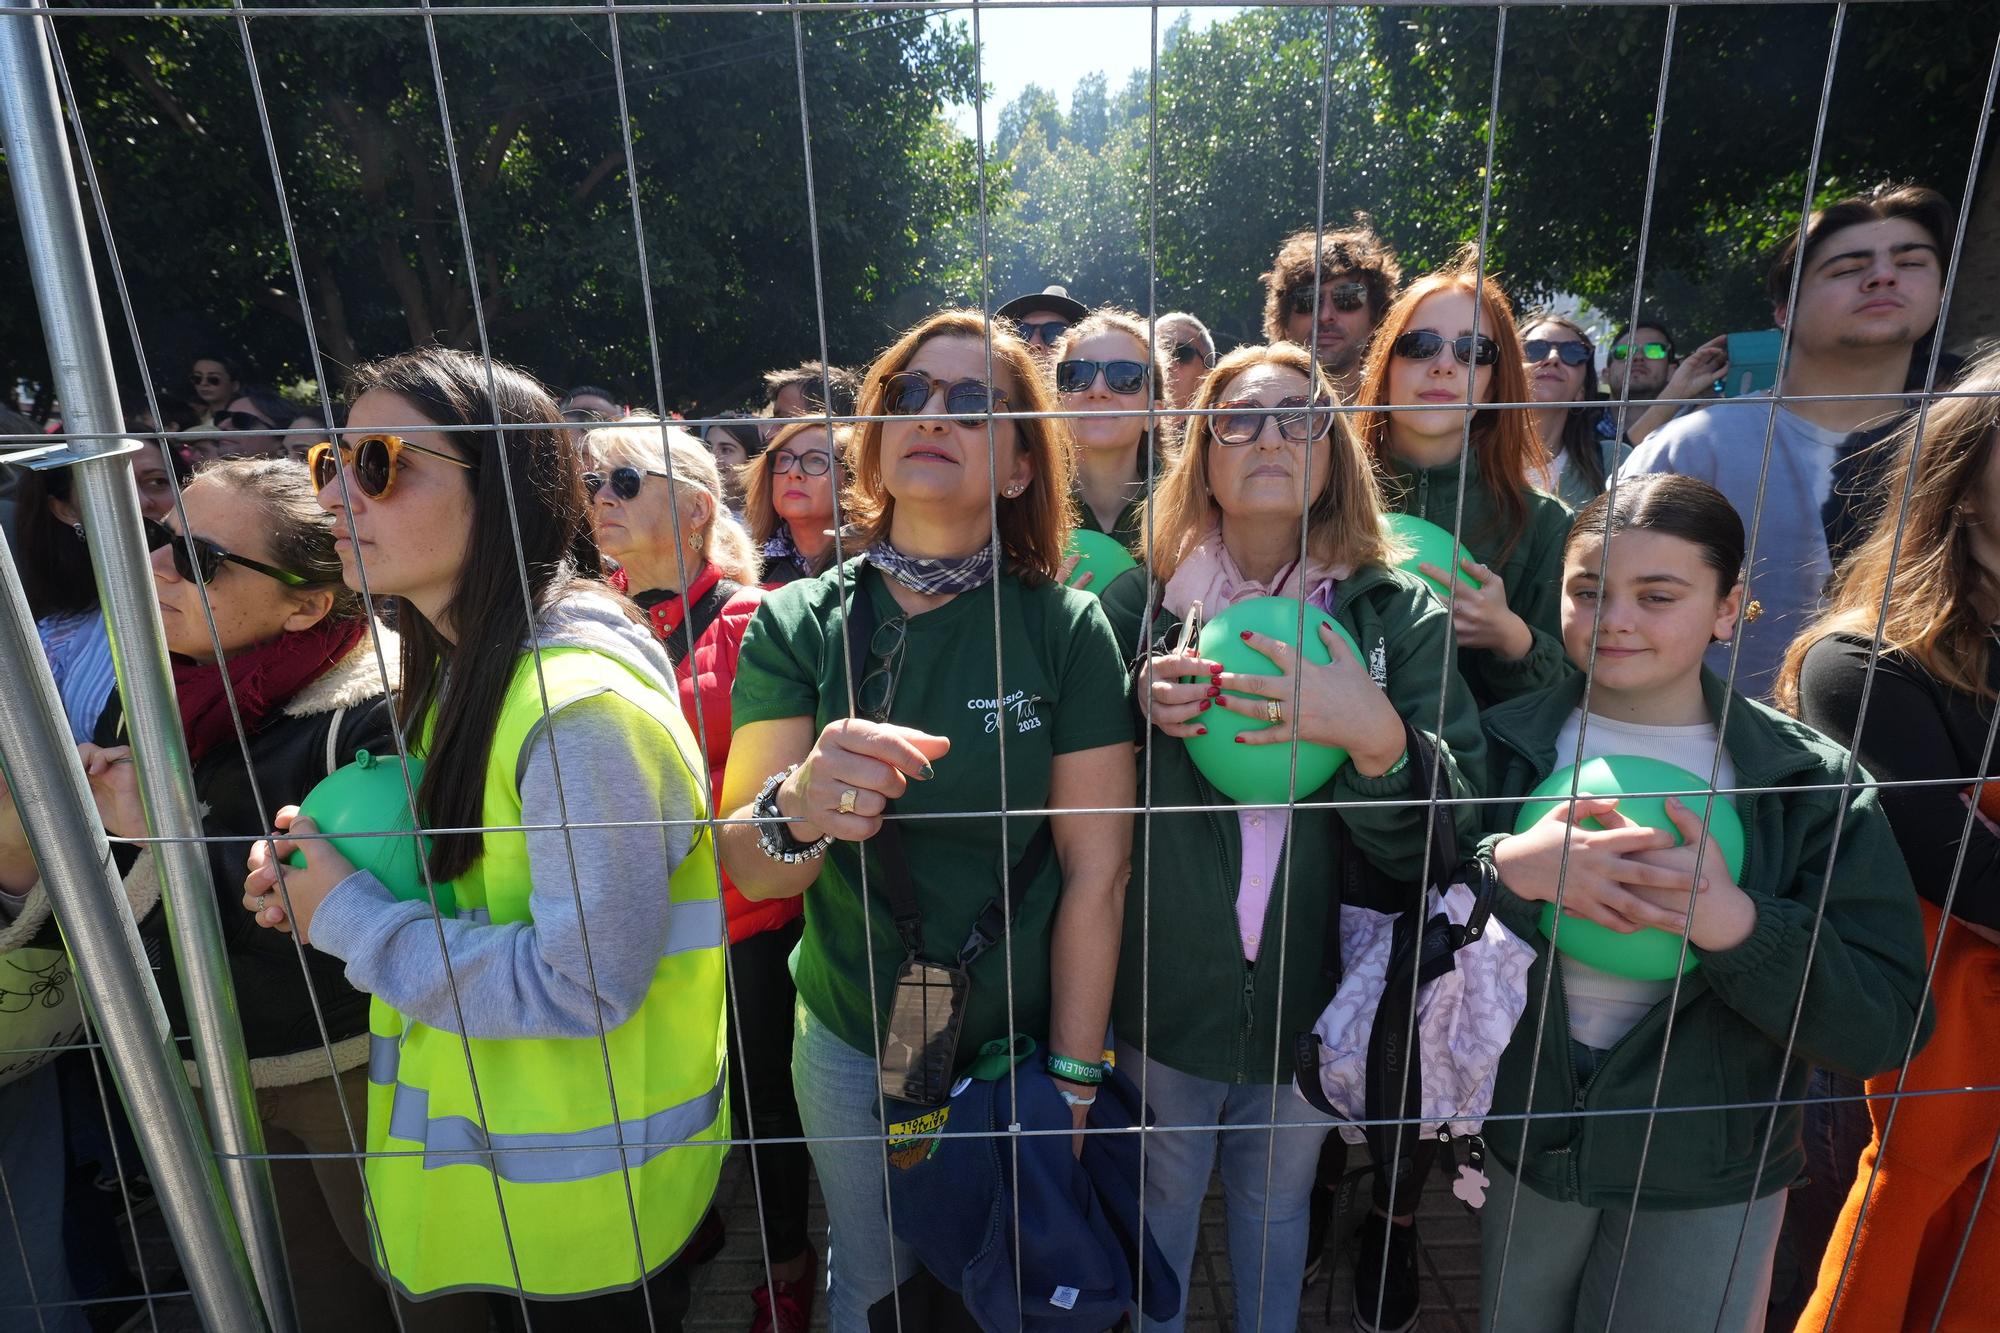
[1075,1071]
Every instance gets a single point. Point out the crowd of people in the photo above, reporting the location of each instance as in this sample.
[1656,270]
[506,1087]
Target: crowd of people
[790,771]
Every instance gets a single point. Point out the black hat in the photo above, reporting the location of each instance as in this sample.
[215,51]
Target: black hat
[1053,298]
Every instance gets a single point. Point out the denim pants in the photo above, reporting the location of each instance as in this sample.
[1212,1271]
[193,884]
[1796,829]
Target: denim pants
[32,1272]
[1267,1181]
[837,1090]
[1682,1269]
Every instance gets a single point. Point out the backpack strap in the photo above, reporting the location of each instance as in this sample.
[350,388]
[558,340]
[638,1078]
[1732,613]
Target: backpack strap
[681,639]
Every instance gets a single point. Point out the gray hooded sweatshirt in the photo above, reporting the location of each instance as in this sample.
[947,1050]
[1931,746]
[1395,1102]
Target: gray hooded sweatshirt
[533,978]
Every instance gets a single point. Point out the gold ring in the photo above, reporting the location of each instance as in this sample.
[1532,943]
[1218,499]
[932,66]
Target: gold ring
[1271,709]
[847,798]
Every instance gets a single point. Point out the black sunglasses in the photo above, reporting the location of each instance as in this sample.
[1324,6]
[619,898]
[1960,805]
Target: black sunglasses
[1119,376]
[1186,352]
[812,463]
[908,392]
[1423,345]
[625,482]
[1244,421]
[1045,333]
[206,560]
[241,421]
[1346,297]
[1537,351]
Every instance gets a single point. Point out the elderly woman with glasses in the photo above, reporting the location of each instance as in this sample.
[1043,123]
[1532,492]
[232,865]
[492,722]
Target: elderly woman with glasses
[788,501]
[886,712]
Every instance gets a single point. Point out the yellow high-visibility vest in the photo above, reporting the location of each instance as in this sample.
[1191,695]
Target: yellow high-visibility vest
[533,1181]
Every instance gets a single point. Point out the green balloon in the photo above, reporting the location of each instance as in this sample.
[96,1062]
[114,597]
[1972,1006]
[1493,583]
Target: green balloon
[368,797]
[1102,557]
[1261,774]
[1649,954]
[1429,544]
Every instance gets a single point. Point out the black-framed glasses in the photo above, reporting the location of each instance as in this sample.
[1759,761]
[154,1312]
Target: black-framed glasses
[242,421]
[1186,352]
[877,694]
[207,558]
[1346,297]
[1045,332]
[625,481]
[1538,350]
[811,463]
[909,392]
[1119,376]
[373,461]
[1243,422]
[1649,351]
[1423,345]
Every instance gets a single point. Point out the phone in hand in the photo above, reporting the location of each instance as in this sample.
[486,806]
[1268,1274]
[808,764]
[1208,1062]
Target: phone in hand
[1753,363]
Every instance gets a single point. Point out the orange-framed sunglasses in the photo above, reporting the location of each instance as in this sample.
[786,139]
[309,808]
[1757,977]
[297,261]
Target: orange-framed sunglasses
[372,462]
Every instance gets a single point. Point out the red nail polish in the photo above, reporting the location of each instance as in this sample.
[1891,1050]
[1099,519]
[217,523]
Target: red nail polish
[1201,731]
[1239,739]
[1205,703]
[1214,690]
[1246,636]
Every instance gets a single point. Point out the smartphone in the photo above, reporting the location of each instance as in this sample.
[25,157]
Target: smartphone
[1753,363]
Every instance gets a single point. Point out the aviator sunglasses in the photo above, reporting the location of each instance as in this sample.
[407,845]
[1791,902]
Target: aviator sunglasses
[1243,422]
[206,560]
[1119,376]
[908,392]
[1423,345]
[1538,350]
[1186,352]
[625,481]
[372,460]
[1346,297]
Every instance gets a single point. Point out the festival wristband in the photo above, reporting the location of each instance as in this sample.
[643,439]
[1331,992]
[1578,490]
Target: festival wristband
[1075,1071]
[1402,762]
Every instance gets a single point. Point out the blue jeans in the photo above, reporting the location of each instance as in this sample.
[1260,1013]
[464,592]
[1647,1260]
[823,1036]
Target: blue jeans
[1267,1181]
[837,1088]
[1681,1271]
[32,1271]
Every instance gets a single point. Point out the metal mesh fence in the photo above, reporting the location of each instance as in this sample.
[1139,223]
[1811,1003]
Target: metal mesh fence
[452,166]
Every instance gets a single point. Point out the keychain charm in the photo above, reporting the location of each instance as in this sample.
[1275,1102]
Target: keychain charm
[1472,1183]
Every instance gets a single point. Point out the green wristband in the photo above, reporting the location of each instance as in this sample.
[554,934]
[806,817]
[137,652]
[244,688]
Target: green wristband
[1402,762]
[1075,1071]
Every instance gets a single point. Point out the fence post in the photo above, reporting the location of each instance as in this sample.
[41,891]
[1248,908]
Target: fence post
[45,194]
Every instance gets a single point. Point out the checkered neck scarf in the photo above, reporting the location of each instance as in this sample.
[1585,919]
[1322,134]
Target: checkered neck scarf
[935,578]
[782,547]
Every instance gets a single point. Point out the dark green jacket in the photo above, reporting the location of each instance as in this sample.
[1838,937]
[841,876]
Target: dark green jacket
[1863,984]
[1129,530]
[1532,570]
[1185,994]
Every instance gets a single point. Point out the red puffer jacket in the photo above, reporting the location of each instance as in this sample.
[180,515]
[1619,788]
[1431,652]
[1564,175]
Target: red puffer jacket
[708,673]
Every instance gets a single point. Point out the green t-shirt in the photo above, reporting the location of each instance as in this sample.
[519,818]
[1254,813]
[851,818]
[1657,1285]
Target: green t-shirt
[1061,688]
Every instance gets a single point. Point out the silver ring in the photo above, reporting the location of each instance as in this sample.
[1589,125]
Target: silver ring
[1271,710]
[847,799]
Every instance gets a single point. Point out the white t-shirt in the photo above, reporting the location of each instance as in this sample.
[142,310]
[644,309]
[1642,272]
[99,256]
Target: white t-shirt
[1603,1006]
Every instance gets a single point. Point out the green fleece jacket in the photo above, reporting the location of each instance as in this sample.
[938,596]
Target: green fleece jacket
[1185,994]
[1532,570]
[1863,981]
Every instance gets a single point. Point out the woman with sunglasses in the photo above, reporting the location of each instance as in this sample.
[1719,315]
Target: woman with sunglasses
[1579,449]
[978,684]
[658,512]
[788,501]
[582,972]
[1428,370]
[251,603]
[1225,924]
[1107,367]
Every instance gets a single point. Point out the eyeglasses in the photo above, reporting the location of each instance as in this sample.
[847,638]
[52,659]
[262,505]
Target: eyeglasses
[909,392]
[1423,345]
[1045,332]
[1186,352]
[207,377]
[1244,420]
[206,560]
[373,461]
[1119,376]
[812,463]
[1346,297]
[583,416]
[1650,351]
[625,482]
[1539,350]
[241,421]
[877,694]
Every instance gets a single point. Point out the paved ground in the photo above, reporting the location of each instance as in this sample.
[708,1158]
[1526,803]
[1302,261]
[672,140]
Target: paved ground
[1450,1261]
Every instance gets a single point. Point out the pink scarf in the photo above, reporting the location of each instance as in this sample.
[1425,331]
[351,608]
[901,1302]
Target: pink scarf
[1211,577]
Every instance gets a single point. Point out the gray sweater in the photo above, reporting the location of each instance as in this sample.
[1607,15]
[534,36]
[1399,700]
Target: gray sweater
[534,979]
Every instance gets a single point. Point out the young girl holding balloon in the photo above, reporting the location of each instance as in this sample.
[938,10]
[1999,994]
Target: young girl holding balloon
[1447,345]
[1794,903]
[1271,502]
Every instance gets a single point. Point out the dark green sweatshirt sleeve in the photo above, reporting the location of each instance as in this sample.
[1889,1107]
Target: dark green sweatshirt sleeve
[1534,593]
[1410,630]
[1865,979]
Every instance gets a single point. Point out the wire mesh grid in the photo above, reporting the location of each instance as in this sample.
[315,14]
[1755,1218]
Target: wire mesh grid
[422,24]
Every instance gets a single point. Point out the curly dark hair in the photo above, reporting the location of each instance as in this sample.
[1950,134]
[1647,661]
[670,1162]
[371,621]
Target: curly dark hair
[1356,249]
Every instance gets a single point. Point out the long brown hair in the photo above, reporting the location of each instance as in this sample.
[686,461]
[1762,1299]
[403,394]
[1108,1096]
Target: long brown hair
[1344,523]
[1034,526]
[1504,439]
[1935,616]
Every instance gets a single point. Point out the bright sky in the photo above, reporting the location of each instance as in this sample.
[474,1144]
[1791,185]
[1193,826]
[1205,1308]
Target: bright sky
[1057,47]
